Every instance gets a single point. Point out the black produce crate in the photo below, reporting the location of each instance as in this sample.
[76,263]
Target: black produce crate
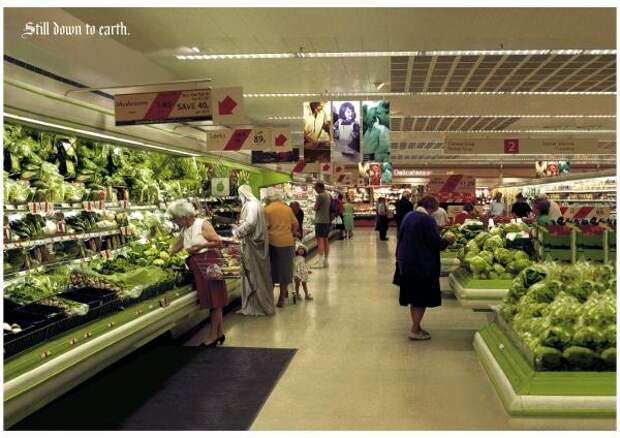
[81,296]
[69,323]
[34,331]
[51,313]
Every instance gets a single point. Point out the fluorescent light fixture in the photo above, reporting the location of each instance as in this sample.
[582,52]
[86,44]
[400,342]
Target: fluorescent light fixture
[97,134]
[430,93]
[195,50]
[379,85]
[378,54]
[522,116]
[284,118]
[527,131]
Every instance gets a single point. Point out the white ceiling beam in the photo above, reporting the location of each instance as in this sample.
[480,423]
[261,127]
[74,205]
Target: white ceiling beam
[595,86]
[559,84]
[551,76]
[593,74]
[492,72]
[410,62]
[471,72]
[536,70]
[450,73]
[507,78]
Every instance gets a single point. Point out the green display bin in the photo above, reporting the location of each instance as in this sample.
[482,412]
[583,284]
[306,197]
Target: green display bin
[559,248]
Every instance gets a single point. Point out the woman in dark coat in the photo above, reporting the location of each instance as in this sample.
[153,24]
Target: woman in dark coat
[419,264]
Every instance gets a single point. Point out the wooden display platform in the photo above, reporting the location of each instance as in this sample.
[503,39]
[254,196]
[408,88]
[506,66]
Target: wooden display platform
[545,399]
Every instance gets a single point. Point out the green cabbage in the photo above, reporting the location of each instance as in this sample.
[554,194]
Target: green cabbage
[541,292]
[580,358]
[503,256]
[609,358]
[548,358]
[556,337]
[493,243]
[589,337]
[487,256]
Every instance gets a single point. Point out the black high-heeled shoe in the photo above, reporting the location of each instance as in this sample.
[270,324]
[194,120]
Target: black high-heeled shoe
[211,344]
[221,339]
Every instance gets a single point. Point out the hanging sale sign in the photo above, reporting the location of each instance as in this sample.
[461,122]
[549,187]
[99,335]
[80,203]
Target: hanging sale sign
[452,183]
[162,107]
[281,140]
[220,187]
[228,106]
[253,139]
[303,166]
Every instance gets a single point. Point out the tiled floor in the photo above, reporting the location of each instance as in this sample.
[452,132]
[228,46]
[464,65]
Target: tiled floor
[355,369]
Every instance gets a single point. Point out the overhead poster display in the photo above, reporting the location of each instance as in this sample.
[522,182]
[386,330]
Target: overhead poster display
[317,132]
[254,139]
[376,131]
[346,131]
[386,173]
[264,157]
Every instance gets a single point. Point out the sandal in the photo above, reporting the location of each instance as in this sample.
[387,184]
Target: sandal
[309,297]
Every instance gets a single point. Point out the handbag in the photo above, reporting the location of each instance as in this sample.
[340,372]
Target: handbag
[396,278]
[338,220]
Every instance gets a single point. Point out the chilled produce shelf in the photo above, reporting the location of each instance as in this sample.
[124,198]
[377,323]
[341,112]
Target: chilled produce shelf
[37,376]
[545,399]
[478,294]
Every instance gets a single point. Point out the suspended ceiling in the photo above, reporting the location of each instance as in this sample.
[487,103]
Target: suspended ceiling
[419,122]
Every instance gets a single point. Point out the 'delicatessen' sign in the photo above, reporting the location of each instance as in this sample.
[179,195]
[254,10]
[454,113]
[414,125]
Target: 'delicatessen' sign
[162,107]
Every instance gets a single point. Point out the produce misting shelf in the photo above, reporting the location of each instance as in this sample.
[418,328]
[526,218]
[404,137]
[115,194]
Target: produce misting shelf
[60,238]
[9,279]
[545,399]
[37,376]
[478,294]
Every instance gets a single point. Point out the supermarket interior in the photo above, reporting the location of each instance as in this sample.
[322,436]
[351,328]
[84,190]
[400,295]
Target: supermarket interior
[283,219]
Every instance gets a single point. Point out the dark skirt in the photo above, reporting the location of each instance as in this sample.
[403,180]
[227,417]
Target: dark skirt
[418,291]
[281,260]
[212,294]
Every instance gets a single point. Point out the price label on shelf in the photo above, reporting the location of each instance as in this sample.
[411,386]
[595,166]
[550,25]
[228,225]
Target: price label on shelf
[57,239]
[7,233]
[65,205]
[10,207]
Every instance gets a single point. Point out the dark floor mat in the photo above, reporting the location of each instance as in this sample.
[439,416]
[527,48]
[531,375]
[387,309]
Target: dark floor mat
[170,388]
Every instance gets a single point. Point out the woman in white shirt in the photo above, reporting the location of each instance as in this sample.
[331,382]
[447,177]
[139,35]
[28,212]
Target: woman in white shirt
[497,206]
[441,216]
[199,238]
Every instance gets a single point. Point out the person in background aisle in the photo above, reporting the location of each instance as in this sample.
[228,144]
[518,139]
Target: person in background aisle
[340,212]
[520,208]
[299,214]
[441,216]
[497,206]
[322,223]
[542,207]
[348,218]
[467,213]
[257,292]
[201,241]
[283,227]
[555,212]
[301,271]
[403,206]
[382,218]
[418,264]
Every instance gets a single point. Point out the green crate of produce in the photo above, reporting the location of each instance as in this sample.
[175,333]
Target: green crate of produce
[557,255]
[550,237]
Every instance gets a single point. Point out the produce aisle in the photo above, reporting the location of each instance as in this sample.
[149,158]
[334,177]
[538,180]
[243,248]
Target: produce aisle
[353,372]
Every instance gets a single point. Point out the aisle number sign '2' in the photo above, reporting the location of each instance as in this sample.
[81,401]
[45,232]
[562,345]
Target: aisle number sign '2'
[223,106]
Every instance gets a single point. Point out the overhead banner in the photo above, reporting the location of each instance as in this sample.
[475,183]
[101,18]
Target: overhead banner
[303,166]
[281,140]
[514,146]
[552,168]
[376,131]
[228,105]
[265,157]
[253,139]
[453,188]
[162,107]
[346,131]
[317,132]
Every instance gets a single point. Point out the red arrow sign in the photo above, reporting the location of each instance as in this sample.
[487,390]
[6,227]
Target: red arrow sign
[281,140]
[299,167]
[237,139]
[226,106]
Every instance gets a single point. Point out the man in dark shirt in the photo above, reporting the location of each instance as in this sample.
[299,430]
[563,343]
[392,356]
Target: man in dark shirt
[521,208]
[403,206]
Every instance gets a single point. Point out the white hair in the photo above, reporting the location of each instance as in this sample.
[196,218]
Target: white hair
[275,196]
[180,209]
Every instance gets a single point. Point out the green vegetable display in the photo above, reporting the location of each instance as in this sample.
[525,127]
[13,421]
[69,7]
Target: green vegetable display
[567,326]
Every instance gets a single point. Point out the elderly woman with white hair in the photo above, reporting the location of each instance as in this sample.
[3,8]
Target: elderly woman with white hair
[199,238]
[283,227]
[257,293]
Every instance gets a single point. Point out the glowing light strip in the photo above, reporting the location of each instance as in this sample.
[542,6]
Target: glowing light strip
[429,93]
[458,116]
[526,131]
[97,134]
[378,54]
